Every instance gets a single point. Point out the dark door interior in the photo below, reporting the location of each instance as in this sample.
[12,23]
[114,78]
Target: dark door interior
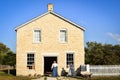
[47,64]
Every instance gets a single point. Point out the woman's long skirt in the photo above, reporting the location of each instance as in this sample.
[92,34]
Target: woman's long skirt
[54,72]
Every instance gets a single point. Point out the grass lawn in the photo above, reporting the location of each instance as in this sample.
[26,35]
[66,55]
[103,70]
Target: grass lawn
[100,78]
[106,78]
[94,78]
[4,76]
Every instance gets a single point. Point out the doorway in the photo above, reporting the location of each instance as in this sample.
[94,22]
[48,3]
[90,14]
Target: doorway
[48,63]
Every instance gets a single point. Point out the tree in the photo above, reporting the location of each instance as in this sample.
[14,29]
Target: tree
[1,57]
[7,57]
[101,54]
[3,51]
[3,48]
[10,59]
[94,53]
[116,50]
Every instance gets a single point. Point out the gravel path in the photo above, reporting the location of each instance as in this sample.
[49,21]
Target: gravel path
[48,78]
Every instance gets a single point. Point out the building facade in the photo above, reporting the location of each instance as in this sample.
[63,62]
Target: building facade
[46,38]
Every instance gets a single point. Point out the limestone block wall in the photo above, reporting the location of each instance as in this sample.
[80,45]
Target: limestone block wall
[50,26]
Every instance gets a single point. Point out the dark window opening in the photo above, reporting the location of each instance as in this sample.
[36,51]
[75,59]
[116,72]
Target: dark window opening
[30,61]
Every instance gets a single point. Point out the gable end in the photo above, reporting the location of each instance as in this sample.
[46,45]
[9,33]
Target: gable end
[57,15]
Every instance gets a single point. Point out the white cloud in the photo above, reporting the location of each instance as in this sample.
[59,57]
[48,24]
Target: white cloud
[114,36]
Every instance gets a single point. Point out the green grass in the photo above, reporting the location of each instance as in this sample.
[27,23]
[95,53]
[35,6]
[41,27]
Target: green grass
[106,78]
[100,78]
[93,78]
[5,76]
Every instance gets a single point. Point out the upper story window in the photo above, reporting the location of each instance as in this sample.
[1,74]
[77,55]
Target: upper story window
[37,35]
[63,35]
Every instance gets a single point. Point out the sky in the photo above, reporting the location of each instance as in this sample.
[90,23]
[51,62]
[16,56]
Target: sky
[100,18]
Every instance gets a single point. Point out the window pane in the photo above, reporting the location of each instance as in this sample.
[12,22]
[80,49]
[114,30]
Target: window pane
[70,59]
[63,37]
[30,60]
[37,35]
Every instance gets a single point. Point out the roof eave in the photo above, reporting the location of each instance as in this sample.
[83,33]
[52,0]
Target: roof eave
[30,21]
[69,21]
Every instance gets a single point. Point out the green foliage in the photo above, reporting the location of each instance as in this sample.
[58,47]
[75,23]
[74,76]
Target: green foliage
[7,57]
[99,54]
[4,48]
[3,51]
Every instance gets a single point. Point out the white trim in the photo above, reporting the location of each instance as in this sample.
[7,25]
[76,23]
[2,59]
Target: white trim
[72,52]
[40,36]
[63,29]
[65,60]
[69,21]
[51,12]
[50,54]
[31,52]
[31,21]
[36,28]
[42,65]
[66,35]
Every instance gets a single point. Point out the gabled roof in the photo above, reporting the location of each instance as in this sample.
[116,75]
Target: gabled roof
[51,12]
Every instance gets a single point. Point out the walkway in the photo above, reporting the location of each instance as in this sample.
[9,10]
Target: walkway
[52,78]
[48,78]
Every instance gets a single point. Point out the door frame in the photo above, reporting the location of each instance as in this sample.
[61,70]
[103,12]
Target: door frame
[46,60]
[48,55]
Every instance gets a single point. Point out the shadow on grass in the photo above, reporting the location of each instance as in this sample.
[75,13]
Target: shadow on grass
[12,72]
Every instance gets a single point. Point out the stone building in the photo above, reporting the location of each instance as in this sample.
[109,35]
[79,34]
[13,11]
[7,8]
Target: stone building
[46,38]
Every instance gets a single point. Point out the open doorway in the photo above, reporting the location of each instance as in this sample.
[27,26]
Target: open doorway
[48,63]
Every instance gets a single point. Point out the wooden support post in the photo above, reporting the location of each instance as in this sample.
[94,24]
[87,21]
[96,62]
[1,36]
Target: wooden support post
[8,69]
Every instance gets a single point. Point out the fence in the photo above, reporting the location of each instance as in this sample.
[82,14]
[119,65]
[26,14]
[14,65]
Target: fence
[6,67]
[104,70]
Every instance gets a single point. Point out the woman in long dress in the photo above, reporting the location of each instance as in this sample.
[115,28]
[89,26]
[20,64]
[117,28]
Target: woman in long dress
[72,70]
[54,68]
[68,70]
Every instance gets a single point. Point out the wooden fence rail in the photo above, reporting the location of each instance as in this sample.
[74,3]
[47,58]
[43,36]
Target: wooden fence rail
[6,67]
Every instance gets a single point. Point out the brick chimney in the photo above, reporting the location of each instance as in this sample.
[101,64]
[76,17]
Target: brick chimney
[50,7]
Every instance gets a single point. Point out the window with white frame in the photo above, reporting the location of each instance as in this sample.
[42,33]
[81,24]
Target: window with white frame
[69,59]
[37,35]
[63,35]
[30,61]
